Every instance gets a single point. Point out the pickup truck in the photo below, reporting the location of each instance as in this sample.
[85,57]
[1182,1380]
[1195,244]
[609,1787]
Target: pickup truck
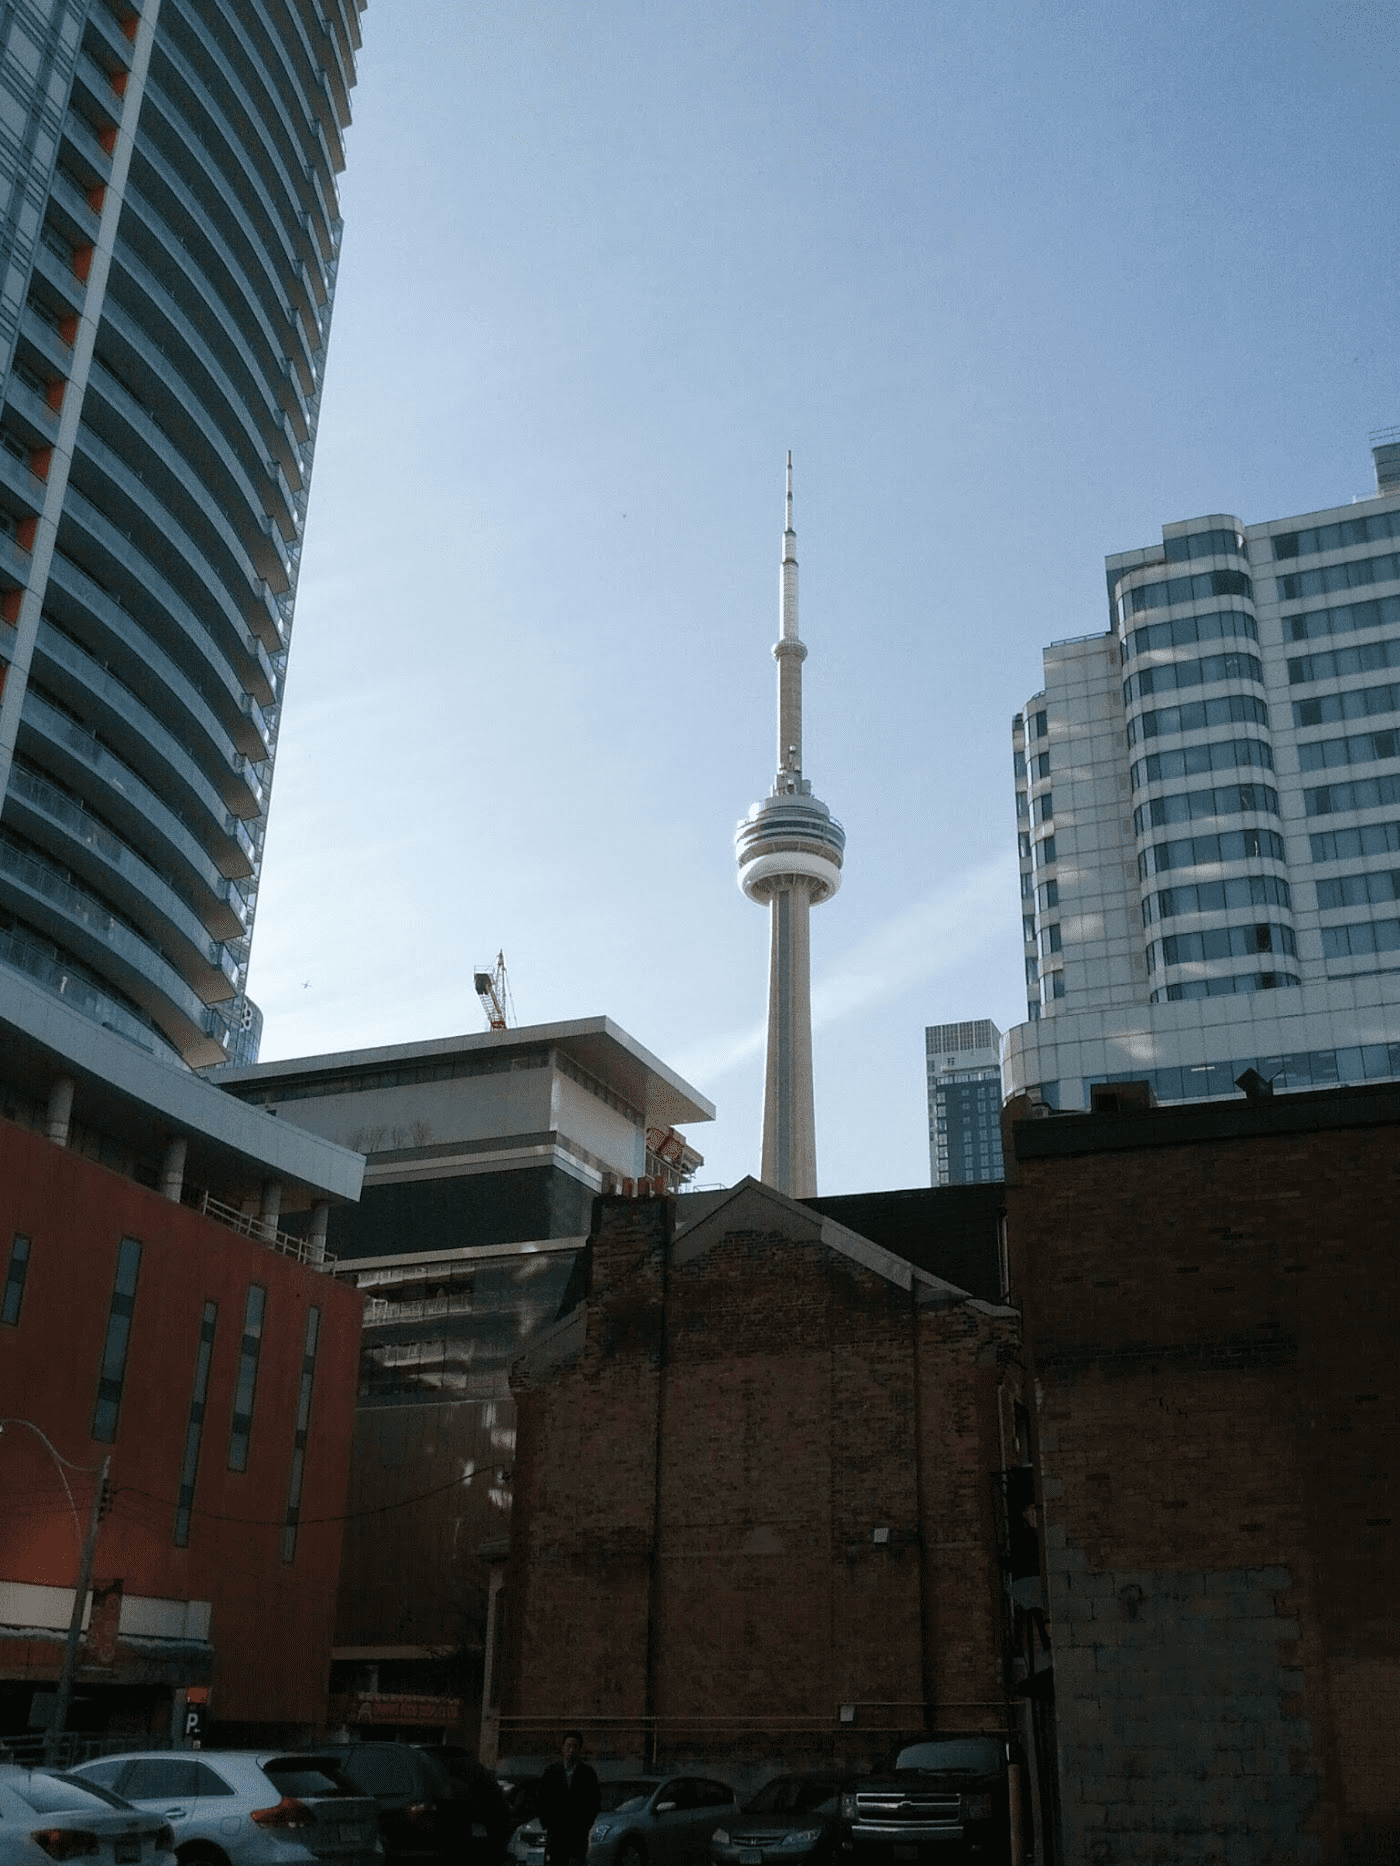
[936,1799]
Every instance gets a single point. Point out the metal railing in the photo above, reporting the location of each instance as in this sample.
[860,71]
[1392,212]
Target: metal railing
[76,1746]
[378,1311]
[250,1225]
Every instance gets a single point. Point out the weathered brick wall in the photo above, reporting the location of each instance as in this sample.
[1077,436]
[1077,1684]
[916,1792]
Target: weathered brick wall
[970,1365]
[583,1522]
[789,1439]
[1212,1329]
[698,1496]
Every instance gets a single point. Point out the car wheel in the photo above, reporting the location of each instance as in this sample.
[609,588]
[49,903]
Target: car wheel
[631,1853]
[200,1853]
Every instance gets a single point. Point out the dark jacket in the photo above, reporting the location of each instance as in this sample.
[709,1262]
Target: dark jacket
[567,1809]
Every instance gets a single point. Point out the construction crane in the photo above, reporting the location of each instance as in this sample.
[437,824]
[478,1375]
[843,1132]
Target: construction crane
[494,992]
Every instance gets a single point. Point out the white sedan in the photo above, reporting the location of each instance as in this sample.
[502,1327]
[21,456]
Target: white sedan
[47,1817]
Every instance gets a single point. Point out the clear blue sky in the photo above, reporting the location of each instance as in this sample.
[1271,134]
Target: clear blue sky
[1016,284]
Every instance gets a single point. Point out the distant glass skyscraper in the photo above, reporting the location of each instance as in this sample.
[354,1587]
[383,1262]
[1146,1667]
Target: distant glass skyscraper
[1208,798]
[169,236]
[964,1102]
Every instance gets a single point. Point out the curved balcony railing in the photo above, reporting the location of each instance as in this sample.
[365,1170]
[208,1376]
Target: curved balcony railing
[178,292]
[110,481]
[268,178]
[72,588]
[80,921]
[143,895]
[211,397]
[91,540]
[142,665]
[294,43]
[228,527]
[252,290]
[139,734]
[148,821]
[55,267]
[82,993]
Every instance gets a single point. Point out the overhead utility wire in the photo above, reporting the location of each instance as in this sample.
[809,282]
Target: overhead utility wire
[311,1522]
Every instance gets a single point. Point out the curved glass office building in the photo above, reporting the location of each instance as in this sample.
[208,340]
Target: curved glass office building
[169,237]
[1208,804]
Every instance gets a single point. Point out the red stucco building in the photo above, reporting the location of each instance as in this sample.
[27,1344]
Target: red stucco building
[215,1369]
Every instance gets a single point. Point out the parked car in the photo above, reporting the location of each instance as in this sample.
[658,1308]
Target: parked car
[521,1790]
[232,1807]
[614,1794]
[47,1816]
[791,1821]
[662,1823]
[937,1798]
[435,1804]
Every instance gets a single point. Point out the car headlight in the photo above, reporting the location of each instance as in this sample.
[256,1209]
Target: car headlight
[721,1836]
[600,1830]
[848,1807]
[804,1837]
[977,1807]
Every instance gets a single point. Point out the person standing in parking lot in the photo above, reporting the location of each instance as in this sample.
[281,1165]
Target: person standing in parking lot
[568,1804]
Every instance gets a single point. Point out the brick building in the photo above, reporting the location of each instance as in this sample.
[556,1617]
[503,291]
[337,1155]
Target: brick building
[754,1495]
[1210,1294]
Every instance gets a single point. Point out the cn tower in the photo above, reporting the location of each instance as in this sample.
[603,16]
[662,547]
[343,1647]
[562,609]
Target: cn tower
[790,849]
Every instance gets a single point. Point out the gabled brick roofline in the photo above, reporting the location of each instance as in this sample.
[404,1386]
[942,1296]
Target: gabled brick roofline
[800,1221]
[1059,1136]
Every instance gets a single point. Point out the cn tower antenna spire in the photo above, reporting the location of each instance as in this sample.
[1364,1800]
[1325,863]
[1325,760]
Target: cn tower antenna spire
[790,852]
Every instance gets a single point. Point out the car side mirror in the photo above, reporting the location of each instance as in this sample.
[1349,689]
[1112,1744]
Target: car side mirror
[665,1807]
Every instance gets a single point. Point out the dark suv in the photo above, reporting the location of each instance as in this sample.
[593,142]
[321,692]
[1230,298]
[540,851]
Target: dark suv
[433,1806]
[935,1800]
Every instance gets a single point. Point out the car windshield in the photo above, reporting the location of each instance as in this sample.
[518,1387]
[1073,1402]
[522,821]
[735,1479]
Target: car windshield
[968,1755]
[795,1794]
[624,1797]
[63,1794]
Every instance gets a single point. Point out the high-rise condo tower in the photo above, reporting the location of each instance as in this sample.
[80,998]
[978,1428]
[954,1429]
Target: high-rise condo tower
[790,850]
[169,235]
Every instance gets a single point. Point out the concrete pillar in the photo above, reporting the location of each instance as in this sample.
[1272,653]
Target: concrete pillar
[172,1169]
[60,1110]
[316,1236]
[270,1207]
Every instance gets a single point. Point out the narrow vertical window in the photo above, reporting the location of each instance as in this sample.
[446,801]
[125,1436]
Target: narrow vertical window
[194,1431]
[113,1374]
[246,1390]
[303,1426]
[14,1282]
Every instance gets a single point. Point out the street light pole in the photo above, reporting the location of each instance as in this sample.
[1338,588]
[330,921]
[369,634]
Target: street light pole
[64,1695]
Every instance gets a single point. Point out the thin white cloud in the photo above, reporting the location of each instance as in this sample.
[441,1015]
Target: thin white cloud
[931,936]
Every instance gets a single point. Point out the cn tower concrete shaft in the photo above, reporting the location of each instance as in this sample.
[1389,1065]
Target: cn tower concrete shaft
[790,852]
[789,1109]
